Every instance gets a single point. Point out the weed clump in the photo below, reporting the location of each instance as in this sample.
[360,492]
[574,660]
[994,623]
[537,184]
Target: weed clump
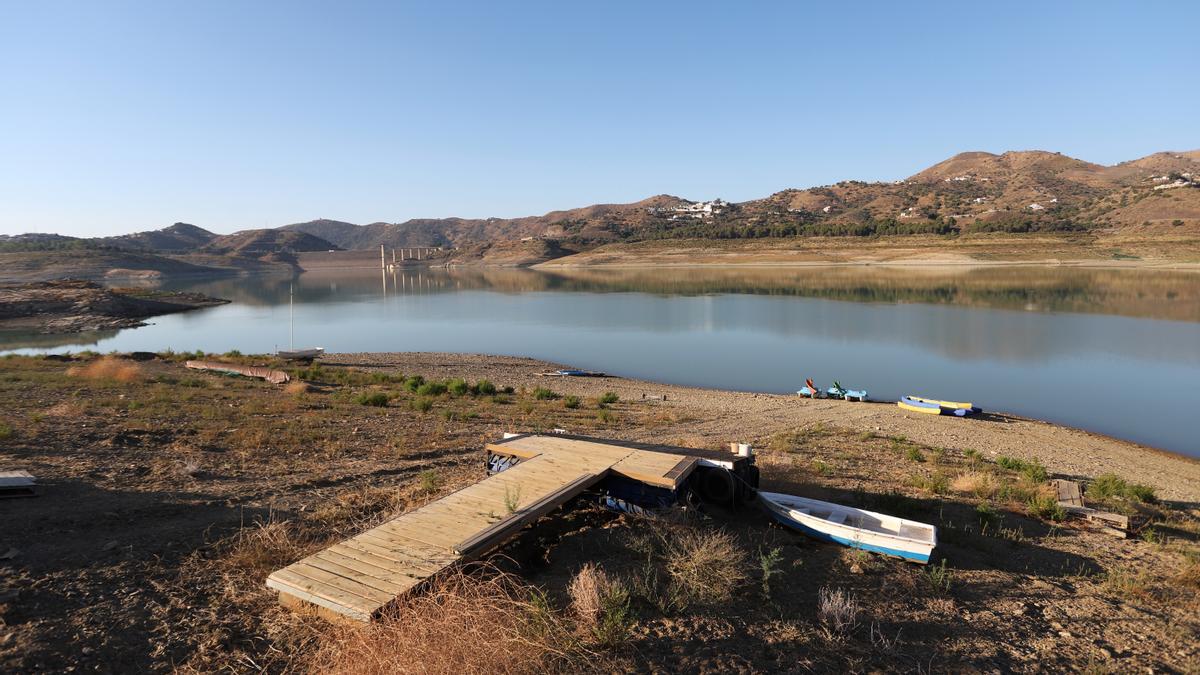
[445,630]
[544,394]
[838,611]
[1111,486]
[1046,507]
[601,606]
[571,402]
[376,399]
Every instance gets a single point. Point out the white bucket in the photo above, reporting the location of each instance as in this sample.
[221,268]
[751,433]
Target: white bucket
[508,435]
[744,450]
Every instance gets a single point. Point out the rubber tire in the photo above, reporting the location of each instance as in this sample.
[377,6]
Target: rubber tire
[717,486]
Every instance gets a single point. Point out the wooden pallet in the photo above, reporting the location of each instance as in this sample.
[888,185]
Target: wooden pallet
[17,484]
[1070,497]
[358,578]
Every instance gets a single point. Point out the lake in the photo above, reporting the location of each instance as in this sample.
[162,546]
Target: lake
[1112,351]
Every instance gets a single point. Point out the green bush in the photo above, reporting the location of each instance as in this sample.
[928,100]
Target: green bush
[914,453]
[372,398]
[431,389]
[457,386]
[1033,470]
[1046,507]
[1111,486]
[543,394]
[6,431]
[421,404]
[485,388]
[609,398]
[571,402]
[413,383]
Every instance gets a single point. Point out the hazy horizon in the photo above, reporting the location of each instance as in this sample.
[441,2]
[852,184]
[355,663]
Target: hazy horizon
[133,116]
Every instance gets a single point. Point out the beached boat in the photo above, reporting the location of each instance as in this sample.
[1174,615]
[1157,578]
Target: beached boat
[571,372]
[853,527]
[291,353]
[809,390]
[300,354]
[931,406]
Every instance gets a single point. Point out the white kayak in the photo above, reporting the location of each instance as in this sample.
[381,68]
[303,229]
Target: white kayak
[853,527]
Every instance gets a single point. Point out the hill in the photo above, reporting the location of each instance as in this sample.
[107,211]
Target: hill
[1020,191]
[972,192]
[260,243]
[178,238]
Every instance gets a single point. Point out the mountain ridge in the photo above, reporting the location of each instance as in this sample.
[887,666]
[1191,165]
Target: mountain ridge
[1014,191]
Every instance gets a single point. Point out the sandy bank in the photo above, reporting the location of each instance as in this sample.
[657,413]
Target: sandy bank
[717,416]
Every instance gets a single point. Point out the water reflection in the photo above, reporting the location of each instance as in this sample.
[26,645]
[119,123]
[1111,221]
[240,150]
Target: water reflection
[1068,345]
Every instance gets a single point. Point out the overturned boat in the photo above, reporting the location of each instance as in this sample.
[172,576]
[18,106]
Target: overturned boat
[931,406]
[856,528]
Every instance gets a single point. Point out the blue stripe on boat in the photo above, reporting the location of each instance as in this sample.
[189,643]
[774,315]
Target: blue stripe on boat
[823,536]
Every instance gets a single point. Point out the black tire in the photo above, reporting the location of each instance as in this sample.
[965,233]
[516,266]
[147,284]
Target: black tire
[717,486]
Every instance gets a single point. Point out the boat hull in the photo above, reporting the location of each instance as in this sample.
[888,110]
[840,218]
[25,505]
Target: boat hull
[931,406]
[866,540]
[301,354]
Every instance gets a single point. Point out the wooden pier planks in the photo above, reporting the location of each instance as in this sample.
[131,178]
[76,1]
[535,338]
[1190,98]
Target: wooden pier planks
[360,576]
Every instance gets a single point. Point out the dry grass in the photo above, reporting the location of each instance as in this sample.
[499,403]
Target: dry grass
[297,388]
[108,368]
[837,611]
[600,605]
[587,590]
[976,483]
[462,625]
[706,565]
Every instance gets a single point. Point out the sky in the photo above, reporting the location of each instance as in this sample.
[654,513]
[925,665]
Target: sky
[125,116]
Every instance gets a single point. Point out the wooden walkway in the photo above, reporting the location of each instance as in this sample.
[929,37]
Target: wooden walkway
[361,576]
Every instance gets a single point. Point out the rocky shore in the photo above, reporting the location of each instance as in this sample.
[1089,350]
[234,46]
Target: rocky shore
[76,306]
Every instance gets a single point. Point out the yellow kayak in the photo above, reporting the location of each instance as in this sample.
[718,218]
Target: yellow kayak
[932,406]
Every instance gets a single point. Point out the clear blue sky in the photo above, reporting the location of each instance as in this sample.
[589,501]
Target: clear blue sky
[123,116]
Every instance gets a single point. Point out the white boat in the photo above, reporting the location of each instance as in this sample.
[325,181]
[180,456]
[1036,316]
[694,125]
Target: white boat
[300,354]
[853,527]
[291,353]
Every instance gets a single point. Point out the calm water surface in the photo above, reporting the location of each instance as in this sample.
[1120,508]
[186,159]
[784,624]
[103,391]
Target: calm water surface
[1116,352]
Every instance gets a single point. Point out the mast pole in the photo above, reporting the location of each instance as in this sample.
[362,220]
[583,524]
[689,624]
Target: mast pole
[291,318]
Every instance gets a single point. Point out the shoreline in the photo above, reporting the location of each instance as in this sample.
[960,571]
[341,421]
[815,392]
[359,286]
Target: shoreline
[1078,264]
[722,415]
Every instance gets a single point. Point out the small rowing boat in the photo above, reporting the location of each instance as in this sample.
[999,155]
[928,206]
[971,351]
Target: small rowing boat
[300,354]
[931,406]
[571,372]
[856,528]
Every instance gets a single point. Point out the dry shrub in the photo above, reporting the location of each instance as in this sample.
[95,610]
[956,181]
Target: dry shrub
[262,548]
[65,409]
[108,368]
[460,625]
[977,483]
[355,509]
[1190,574]
[600,605]
[838,612]
[705,565]
[297,388]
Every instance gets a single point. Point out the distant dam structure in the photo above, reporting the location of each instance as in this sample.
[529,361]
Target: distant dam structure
[380,258]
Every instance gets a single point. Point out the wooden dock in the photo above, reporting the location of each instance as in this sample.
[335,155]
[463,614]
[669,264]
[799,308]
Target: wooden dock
[361,576]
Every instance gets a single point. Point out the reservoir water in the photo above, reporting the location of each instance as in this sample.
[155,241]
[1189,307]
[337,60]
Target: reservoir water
[1111,351]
